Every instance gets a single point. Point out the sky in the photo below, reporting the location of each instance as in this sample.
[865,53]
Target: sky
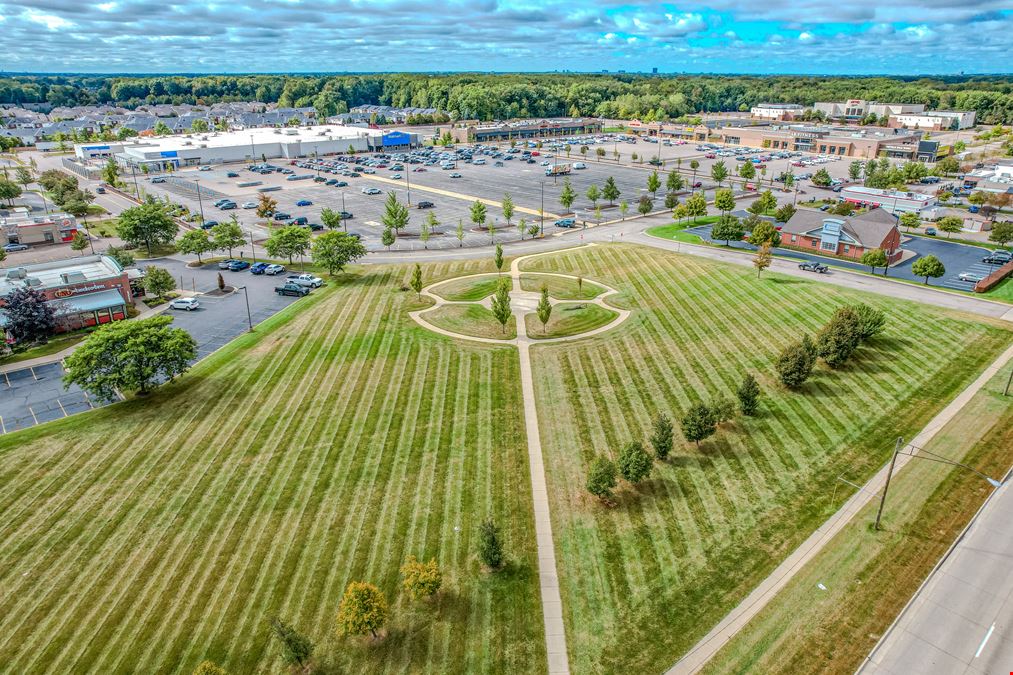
[854,37]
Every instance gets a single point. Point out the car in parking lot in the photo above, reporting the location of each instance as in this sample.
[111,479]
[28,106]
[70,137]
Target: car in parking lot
[232,174]
[972,277]
[315,227]
[340,183]
[305,280]
[249,205]
[10,248]
[304,202]
[566,223]
[280,215]
[425,204]
[813,266]
[258,268]
[204,168]
[272,270]
[370,191]
[238,265]
[997,258]
[292,289]
[301,220]
[208,224]
[455,175]
[188,304]
[396,176]
[224,264]
[158,179]
[345,215]
[228,206]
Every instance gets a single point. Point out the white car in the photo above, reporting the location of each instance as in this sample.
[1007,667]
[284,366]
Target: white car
[249,205]
[272,270]
[184,303]
[305,280]
[370,191]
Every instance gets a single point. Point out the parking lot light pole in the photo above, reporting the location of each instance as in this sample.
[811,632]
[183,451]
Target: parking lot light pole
[408,183]
[343,204]
[200,202]
[137,190]
[541,210]
[249,317]
[253,248]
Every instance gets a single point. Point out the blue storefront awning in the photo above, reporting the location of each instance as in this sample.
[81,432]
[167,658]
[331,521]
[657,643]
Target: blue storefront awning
[92,301]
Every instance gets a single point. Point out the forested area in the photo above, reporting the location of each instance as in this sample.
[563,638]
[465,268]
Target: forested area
[486,97]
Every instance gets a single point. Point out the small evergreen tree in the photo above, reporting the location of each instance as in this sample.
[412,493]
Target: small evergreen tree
[795,363]
[601,478]
[498,258]
[416,281]
[490,550]
[661,436]
[544,309]
[748,394]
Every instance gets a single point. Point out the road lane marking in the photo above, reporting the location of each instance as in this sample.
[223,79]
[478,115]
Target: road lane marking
[456,195]
[985,640]
[33,414]
[62,409]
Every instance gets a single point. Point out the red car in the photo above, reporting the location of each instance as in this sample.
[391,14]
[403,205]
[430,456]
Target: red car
[711,155]
[697,184]
[535,153]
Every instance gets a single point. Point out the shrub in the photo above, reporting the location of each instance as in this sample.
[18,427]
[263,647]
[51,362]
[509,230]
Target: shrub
[421,580]
[601,479]
[490,550]
[795,364]
[634,462]
[838,339]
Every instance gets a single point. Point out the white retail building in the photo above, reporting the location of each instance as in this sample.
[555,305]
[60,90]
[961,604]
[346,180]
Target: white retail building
[159,153]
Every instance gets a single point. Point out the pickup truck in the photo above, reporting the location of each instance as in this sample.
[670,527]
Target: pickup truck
[292,289]
[307,280]
[813,266]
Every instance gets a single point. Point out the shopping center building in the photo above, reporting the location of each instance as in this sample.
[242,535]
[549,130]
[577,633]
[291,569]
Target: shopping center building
[85,291]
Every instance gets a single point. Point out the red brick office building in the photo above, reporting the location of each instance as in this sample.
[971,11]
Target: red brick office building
[845,236]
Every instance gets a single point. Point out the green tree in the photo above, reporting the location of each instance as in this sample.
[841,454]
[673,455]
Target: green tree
[747,171]
[199,126]
[593,194]
[126,356]
[416,281]
[331,219]
[478,213]
[567,195]
[822,178]
[147,224]
[23,176]
[611,190]
[296,648]
[123,257]
[698,423]
[387,238]
[653,183]
[765,204]
[266,206]
[9,190]
[508,208]
[1002,233]
[80,242]
[419,579]
[928,266]
[765,233]
[363,610]
[522,226]
[195,242]
[855,170]
[161,129]
[762,259]
[724,200]
[29,317]
[694,165]
[871,321]
[838,339]
[158,281]
[784,213]
[748,394]
[427,228]
[661,436]
[978,198]
[490,549]
[624,207]
[501,303]
[719,172]
[334,250]
[289,242]
[395,214]
[497,258]
[727,228]
[228,235]
[634,462]
[459,233]
[795,363]
[601,478]
[696,206]
[909,219]
[533,230]
[111,173]
[950,224]
[875,258]
[644,205]
[544,309]
[209,668]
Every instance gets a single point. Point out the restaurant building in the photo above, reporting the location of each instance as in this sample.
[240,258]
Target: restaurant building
[25,228]
[85,291]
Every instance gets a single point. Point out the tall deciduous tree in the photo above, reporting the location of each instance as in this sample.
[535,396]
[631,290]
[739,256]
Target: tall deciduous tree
[127,356]
[764,232]
[507,205]
[698,423]
[501,303]
[696,205]
[363,610]
[478,213]
[874,258]
[266,206]
[194,242]
[719,172]
[653,182]
[330,219]
[289,242]
[727,228]
[928,266]
[593,195]
[158,281]
[567,195]
[334,250]
[416,281]
[228,235]
[634,462]
[148,224]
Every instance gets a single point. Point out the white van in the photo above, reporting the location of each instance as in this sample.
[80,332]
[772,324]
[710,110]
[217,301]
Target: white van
[478,162]
[579,165]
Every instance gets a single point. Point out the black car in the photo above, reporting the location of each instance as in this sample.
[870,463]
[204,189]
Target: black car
[425,205]
[345,215]
[813,266]
[316,227]
[340,183]
[292,289]
[997,258]
[282,216]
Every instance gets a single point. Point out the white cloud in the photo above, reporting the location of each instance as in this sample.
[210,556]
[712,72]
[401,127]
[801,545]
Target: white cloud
[806,37]
[50,21]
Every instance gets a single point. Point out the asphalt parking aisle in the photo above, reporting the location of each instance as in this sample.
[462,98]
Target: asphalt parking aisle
[30,396]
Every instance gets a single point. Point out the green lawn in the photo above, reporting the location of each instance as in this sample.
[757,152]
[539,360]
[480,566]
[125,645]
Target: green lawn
[642,581]
[471,319]
[1004,291]
[569,318]
[103,228]
[326,447]
[561,288]
[868,575]
[468,290]
[55,344]
[677,231]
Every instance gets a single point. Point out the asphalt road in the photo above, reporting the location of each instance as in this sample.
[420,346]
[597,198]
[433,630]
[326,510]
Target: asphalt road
[31,396]
[961,621]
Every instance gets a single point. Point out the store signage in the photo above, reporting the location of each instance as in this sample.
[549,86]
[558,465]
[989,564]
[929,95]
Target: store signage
[67,292]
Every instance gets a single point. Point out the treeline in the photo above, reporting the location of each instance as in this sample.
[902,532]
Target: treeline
[503,96]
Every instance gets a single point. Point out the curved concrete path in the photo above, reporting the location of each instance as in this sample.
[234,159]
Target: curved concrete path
[522,303]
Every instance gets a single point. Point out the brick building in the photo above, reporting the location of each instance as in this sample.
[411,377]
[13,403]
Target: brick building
[845,236]
[23,228]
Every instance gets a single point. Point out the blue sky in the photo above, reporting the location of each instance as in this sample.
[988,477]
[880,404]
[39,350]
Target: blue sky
[722,36]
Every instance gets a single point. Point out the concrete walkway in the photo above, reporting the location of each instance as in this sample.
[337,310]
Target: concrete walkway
[695,659]
[523,303]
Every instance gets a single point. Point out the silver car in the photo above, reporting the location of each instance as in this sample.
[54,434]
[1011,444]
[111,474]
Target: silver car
[189,304]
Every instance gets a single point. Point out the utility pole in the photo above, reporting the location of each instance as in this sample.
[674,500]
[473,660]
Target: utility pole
[200,202]
[889,475]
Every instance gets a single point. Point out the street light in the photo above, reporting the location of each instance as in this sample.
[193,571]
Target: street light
[249,317]
[541,210]
[200,202]
[898,449]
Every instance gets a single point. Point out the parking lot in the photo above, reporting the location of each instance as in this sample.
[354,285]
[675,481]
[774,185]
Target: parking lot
[30,396]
